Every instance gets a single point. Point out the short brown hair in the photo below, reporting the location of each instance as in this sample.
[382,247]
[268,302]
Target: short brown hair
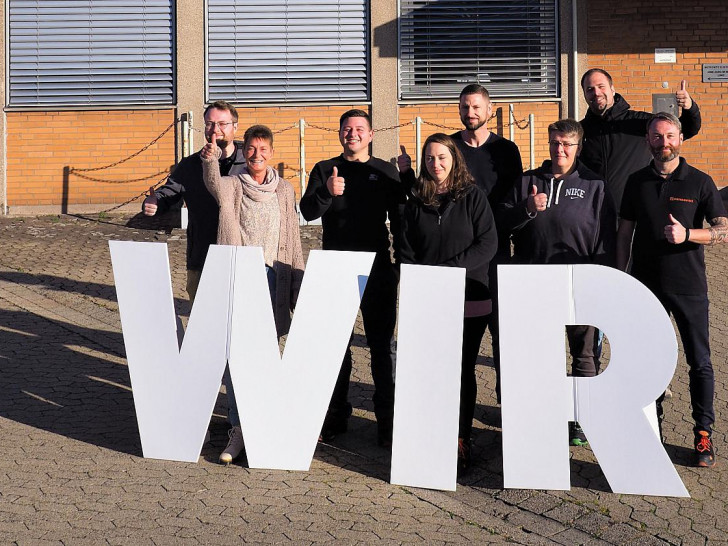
[596,71]
[223,105]
[258,131]
[567,126]
[664,116]
[474,89]
[355,113]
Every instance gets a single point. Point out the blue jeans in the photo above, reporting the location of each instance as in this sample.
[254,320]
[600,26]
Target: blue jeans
[233,415]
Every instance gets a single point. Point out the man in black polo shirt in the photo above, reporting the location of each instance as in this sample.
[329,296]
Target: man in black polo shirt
[495,164]
[353,194]
[663,207]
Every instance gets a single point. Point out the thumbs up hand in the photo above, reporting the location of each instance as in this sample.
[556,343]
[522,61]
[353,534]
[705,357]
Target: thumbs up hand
[404,161]
[675,232]
[335,183]
[683,97]
[210,150]
[536,201]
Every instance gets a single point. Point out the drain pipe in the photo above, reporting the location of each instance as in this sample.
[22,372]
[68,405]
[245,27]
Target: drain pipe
[575,59]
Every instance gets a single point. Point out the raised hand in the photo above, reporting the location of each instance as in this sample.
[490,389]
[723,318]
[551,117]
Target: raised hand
[335,184]
[536,201]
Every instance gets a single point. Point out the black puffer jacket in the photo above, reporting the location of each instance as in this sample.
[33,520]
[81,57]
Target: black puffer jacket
[615,146]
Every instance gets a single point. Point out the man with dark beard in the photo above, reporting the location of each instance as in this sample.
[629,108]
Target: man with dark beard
[495,165]
[614,134]
[663,207]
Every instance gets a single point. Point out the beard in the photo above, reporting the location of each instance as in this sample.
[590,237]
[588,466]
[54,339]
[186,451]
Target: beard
[663,154]
[472,126]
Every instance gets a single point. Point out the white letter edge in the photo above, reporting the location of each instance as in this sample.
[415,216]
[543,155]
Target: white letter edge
[427,390]
[536,302]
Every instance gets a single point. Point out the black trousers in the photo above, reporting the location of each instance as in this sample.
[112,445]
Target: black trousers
[691,317]
[379,314]
[473,330]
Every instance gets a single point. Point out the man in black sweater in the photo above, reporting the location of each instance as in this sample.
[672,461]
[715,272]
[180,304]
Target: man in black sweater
[353,194]
[495,164]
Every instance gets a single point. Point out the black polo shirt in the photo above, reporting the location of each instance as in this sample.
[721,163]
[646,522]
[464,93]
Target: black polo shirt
[691,197]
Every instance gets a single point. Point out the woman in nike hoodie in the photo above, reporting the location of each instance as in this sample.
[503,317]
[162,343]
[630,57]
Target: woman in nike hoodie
[448,222]
[560,214]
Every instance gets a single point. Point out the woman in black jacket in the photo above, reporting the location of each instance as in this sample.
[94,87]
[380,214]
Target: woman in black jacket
[448,222]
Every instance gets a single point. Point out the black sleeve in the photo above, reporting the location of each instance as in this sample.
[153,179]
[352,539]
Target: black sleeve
[408,180]
[406,252]
[606,241]
[171,194]
[691,121]
[712,202]
[316,200]
[627,210]
[512,211]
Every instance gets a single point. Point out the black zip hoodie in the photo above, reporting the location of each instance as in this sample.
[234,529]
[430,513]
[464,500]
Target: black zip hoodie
[461,233]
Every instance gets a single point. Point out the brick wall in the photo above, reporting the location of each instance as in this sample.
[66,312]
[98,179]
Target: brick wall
[41,145]
[447,115]
[622,38]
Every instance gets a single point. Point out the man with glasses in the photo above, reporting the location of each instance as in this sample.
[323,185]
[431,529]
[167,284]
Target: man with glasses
[560,214]
[186,183]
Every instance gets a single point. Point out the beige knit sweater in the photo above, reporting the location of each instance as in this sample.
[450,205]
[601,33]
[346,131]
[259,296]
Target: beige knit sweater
[228,192]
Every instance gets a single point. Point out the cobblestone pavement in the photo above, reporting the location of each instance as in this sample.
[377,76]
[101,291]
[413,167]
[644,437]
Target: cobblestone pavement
[71,470]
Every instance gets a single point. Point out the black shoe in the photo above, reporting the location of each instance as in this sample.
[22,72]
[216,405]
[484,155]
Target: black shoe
[576,435]
[332,429]
[464,449]
[384,434]
[335,423]
[704,450]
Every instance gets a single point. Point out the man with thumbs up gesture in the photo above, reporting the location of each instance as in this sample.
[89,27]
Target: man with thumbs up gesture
[614,144]
[354,194]
[661,228]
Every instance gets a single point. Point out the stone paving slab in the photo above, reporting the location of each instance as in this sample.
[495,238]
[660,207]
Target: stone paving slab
[71,470]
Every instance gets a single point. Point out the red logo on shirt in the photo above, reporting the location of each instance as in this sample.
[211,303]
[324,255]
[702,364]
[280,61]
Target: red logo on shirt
[683,200]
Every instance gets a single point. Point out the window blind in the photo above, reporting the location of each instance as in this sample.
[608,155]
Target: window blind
[90,52]
[510,47]
[275,51]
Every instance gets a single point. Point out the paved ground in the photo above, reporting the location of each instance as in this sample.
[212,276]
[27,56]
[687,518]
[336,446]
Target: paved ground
[71,470]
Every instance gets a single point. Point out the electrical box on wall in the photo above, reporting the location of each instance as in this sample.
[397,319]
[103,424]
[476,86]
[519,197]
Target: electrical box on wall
[664,102]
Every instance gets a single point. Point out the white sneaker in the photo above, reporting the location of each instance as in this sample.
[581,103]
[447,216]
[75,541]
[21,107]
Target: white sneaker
[234,447]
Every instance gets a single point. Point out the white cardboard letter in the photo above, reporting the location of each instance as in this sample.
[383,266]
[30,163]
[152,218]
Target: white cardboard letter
[424,448]
[282,401]
[174,387]
[536,302]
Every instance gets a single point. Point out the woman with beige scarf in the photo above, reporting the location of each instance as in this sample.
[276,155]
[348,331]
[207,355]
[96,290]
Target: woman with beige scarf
[257,208]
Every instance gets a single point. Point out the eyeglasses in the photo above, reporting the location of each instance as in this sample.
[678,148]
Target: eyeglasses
[565,145]
[221,124]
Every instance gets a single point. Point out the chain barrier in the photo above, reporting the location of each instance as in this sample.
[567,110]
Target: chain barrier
[520,124]
[165,172]
[132,156]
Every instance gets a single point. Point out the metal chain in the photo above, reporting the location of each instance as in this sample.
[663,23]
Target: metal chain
[92,179]
[321,127]
[143,194]
[144,149]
